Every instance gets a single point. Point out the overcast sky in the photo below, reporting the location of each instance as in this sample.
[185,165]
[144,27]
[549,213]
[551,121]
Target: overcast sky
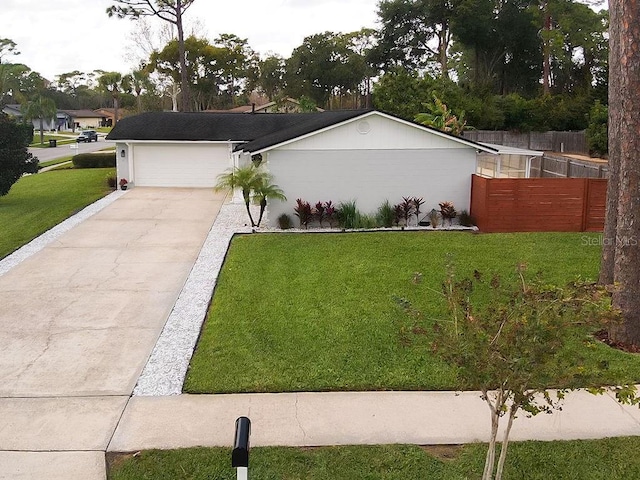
[59,36]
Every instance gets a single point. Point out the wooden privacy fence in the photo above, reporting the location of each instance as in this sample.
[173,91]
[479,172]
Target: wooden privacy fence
[538,204]
[553,166]
[573,142]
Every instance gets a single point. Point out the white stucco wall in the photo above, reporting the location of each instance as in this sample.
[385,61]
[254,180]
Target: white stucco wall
[370,176]
[87,122]
[122,162]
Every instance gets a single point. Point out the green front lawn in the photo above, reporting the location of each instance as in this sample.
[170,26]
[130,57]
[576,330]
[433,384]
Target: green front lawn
[586,460]
[55,161]
[317,312]
[62,140]
[38,202]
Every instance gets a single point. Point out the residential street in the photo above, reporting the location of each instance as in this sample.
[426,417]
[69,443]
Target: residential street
[46,154]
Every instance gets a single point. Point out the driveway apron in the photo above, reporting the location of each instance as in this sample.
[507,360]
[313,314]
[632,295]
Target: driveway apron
[80,318]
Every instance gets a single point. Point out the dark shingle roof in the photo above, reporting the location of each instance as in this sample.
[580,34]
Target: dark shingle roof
[82,113]
[268,128]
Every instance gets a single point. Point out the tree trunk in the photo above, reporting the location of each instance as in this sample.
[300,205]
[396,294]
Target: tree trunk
[175,91]
[495,423]
[115,109]
[184,80]
[246,195]
[624,144]
[263,207]
[139,99]
[505,443]
[443,45]
[41,131]
[546,51]
[611,216]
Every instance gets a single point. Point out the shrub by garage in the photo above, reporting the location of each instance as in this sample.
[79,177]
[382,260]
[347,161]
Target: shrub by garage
[94,160]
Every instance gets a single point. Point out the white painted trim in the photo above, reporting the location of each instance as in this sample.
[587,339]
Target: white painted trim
[506,150]
[468,143]
[181,142]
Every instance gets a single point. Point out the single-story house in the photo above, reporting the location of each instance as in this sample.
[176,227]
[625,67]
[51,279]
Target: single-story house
[109,114]
[58,123]
[362,155]
[84,119]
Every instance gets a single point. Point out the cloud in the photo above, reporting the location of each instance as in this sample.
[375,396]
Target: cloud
[65,35]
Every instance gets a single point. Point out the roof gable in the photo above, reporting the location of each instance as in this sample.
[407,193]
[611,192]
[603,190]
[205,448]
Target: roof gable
[402,132]
[82,113]
[12,109]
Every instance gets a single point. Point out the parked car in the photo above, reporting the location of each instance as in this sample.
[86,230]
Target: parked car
[87,136]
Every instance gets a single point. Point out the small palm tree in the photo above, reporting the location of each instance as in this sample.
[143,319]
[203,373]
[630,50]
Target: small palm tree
[265,189]
[246,179]
[40,107]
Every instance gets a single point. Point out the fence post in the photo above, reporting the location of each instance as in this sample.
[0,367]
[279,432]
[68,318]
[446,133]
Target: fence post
[240,453]
[585,204]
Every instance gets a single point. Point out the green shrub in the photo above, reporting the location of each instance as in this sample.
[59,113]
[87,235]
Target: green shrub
[366,221]
[347,214]
[284,222]
[386,215]
[111,180]
[465,219]
[94,160]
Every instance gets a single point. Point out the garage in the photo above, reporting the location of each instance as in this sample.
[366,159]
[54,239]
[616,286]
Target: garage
[360,155]
[162,165]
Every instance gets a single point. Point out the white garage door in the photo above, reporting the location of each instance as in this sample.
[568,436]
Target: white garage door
[188,165]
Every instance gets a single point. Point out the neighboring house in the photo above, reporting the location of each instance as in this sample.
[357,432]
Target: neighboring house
[13,110]
[59,123]
[362,155]
[108,116]
[287,105]
[80,119]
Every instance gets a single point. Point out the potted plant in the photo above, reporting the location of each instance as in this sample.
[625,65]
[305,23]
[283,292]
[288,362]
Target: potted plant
[123,183]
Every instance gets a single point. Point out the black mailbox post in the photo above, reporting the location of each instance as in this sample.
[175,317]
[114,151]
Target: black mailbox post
[240,453]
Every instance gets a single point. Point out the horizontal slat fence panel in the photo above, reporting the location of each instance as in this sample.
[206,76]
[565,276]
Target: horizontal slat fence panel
[538,204]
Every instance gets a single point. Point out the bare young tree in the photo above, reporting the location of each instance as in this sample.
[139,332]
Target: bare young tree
[170,11]
[621,251]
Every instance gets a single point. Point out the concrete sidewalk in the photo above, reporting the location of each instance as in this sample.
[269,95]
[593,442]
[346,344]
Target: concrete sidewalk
[348,418]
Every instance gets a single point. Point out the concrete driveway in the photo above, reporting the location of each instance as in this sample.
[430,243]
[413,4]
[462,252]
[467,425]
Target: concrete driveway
[81,317]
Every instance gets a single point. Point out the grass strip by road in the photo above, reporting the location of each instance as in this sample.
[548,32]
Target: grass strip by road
[38,202]
[68,158]
[61,140]
[567,460]
[317,312]
[55,161]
